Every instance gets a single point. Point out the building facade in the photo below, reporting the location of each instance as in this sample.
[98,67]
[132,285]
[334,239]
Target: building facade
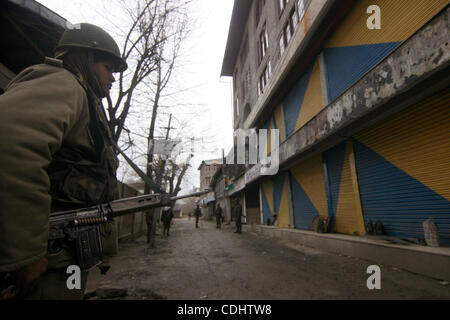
[207,170]
[358,91]
[218,186]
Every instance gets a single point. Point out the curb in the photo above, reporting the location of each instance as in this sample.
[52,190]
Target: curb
[433,262]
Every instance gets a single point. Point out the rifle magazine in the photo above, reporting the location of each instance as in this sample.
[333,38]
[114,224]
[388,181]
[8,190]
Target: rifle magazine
[89,247]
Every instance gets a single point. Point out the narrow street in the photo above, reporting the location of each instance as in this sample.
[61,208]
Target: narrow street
[210,263]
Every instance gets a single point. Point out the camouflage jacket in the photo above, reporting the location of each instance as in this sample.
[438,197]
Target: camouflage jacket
[54,154]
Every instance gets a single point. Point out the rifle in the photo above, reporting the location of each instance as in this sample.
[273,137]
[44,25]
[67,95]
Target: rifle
[82,225]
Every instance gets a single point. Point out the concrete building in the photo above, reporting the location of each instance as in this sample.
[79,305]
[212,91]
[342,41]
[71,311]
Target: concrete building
[218,186]
[358,91]
[207,170]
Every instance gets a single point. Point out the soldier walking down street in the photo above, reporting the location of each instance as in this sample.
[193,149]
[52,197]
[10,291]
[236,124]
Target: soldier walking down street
[218,216]
[197,214]
[238,215]
[166,218]
[56,154]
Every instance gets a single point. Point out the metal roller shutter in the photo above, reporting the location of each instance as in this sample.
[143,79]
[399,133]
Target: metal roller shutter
[354,49]
[308,193]
[403,170]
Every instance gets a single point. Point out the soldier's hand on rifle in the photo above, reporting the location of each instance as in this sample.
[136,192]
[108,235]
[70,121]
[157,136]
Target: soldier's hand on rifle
[24,280]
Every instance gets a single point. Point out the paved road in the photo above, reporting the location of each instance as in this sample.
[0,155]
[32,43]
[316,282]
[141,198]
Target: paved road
[210,263]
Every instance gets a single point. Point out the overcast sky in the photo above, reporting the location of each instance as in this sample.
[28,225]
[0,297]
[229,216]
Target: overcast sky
[200,72]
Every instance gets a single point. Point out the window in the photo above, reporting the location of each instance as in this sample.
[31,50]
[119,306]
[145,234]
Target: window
[264,78]
[294,19]
[235,84]
[291,25]
[235,78]
[282,46]
[263,43]
[301,8]
[288,31]
[282,5]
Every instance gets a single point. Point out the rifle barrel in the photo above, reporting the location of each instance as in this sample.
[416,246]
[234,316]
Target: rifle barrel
[141,203]
[122,206]
[195,194]
[149,201]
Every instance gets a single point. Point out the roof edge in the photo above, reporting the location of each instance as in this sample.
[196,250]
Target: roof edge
[241,10]
[42,11]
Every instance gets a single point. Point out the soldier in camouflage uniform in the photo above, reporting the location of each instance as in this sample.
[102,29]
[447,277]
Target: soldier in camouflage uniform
[218,216]
[167,216]
[197,214]
[55,154]
[238,216]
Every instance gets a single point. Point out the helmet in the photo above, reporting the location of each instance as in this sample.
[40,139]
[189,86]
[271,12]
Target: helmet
[89,36]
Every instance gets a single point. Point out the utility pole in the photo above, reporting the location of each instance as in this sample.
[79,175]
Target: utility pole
[156,212]
[163,161]
[168,127]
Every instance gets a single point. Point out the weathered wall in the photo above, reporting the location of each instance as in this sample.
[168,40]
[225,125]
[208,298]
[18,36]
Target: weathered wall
[131,225]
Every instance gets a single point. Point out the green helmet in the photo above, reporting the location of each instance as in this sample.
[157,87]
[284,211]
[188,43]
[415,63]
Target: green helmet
[89,36]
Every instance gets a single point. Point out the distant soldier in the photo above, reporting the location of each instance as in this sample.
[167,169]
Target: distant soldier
[166,218]
[219,216]
[238,216]
[197,214]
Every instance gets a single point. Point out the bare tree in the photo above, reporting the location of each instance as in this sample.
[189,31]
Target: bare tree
[151,47]
[153,41]
[174,175]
